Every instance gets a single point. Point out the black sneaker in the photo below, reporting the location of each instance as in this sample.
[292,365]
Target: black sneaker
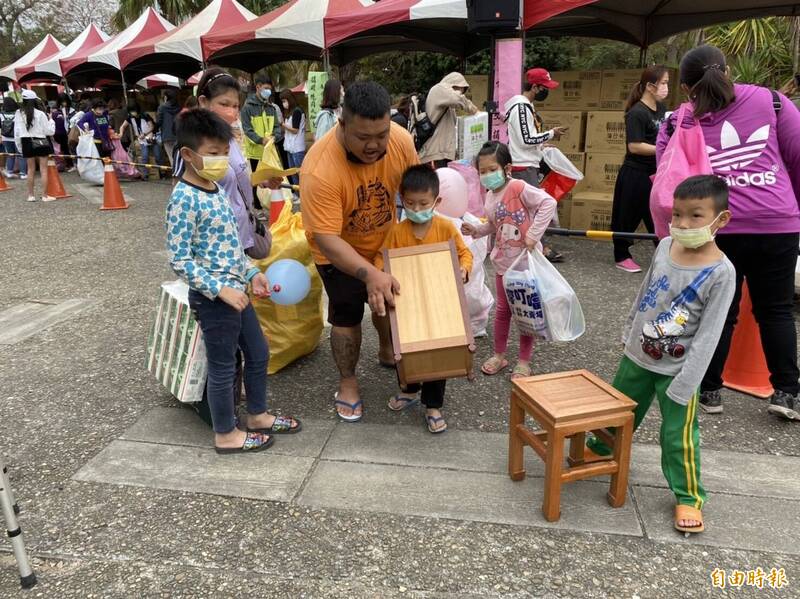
[711,402]
[784,405]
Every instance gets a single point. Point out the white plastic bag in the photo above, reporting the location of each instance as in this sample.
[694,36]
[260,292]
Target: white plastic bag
[89,170]
[542,302]
[479,298]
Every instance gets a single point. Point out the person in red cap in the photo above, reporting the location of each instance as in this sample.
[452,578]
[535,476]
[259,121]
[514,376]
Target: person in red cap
[526,135]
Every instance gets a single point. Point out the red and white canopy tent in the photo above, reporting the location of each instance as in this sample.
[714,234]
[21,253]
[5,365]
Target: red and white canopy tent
[297,30]
[50,68]
[41,51]
[103,61]
[182,51]
[441,23]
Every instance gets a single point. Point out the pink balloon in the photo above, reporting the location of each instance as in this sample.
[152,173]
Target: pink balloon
[453,191]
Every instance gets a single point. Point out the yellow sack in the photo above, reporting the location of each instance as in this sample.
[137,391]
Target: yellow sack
[292,331]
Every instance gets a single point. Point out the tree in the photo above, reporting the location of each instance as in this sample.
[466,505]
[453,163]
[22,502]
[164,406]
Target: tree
[177,11]
[12,12]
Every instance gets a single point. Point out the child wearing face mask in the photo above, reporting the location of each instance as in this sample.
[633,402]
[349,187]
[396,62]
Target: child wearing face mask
[419,190]
[671,334]
[518,214]
[204,249]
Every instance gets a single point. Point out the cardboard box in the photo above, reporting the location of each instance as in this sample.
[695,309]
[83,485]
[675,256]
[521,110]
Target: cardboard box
[605,132]
[591,211]
[478,89]
[578,90]
[176,353]
[601,172]
[617,86]
[473,132]
[575,120]
[564,208]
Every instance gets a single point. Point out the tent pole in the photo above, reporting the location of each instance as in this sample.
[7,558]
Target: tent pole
[124,88]
[326,61]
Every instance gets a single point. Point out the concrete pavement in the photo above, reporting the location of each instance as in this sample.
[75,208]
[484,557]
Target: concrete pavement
[122,496]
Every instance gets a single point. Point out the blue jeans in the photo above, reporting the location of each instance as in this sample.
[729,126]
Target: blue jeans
[11,161]
[147,150]
[295,160]
[224,331]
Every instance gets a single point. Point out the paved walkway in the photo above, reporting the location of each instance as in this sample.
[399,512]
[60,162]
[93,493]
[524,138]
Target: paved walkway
[459,475]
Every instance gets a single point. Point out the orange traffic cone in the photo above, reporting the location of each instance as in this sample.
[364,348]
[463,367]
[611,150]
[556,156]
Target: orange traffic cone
[55,188]
[3,185]
[746,368]
[112,192]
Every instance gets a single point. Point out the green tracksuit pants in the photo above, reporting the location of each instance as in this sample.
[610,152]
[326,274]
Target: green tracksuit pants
[679,436]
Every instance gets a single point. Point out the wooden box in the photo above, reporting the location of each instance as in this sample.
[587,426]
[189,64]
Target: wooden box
[431,333]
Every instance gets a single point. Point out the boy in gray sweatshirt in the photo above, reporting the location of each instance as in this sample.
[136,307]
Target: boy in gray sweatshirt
[672,332]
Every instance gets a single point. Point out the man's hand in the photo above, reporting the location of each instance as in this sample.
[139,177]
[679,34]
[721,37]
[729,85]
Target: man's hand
[464,275]
[260,286]
[468,229]
[381,289]
[273,183]
[234,298]
[559,131]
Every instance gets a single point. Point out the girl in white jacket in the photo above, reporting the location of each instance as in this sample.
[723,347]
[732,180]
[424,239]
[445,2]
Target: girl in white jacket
[32,132]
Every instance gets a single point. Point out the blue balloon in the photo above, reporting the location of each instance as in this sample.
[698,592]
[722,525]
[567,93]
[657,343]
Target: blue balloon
[289,282]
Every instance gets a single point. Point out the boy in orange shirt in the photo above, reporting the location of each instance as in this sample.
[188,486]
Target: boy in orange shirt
[419,190]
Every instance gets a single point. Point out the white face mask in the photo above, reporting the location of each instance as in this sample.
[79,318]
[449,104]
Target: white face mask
[693,238]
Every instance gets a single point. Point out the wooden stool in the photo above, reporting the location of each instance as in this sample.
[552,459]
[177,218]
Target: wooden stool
[567,405]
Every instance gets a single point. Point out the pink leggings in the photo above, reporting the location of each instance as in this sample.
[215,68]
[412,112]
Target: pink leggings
[502,325]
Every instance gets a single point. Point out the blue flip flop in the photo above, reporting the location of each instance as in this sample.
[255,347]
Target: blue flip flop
[409,401]
[352,406]
[431,420]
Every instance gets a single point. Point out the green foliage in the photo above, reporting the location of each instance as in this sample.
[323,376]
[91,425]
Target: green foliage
[759,51]
[177,11]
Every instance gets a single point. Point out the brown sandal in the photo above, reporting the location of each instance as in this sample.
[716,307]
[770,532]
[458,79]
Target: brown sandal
[687,512]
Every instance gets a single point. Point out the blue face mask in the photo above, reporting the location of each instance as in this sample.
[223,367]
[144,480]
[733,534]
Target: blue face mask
[493,180]
[266,93]
[421,217]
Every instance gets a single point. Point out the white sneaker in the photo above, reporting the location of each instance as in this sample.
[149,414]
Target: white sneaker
[48,199]
[31,198]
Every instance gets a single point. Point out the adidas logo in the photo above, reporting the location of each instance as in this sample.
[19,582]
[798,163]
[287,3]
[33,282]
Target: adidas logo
[734,154]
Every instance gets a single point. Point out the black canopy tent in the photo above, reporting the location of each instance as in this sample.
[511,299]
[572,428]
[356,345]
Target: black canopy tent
[644,22]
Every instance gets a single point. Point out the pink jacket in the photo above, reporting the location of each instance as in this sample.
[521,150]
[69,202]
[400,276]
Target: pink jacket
[518,213]
[758,153]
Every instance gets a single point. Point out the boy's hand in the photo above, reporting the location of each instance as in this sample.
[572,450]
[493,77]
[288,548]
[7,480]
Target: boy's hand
[464,275]
[468,229]
[260,286]
[234,298]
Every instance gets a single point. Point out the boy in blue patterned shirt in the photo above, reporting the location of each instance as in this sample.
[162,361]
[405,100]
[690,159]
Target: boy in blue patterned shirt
[204,249]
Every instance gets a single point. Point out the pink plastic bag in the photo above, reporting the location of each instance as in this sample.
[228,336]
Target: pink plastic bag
[475,192]
[119,154]
[684,157]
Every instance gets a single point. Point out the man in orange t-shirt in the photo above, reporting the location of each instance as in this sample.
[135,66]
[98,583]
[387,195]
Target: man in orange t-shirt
[348,184]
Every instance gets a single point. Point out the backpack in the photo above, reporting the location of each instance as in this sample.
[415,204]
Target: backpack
[7,128]
[422,128]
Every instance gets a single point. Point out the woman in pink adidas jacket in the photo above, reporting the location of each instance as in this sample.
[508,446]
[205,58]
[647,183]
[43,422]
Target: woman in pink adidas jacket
[753,139]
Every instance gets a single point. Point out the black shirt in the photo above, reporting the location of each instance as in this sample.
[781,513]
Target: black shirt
[641,125]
